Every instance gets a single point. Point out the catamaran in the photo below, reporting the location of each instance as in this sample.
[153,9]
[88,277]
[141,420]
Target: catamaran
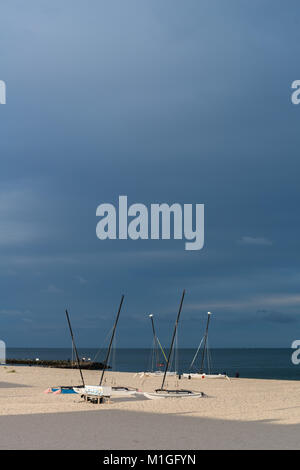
[107,391]
[156,359]
[166,393]
[69,388]
[205,355]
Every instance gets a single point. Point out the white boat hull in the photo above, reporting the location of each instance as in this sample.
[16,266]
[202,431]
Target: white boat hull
[96,390]
[123,392]
[157,373]
[205,376]
[172,394]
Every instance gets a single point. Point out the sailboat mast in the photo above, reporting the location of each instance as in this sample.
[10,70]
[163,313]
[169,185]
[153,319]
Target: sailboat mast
[111,340]
[75,349]
[173,339]
[155,339]
[205,343]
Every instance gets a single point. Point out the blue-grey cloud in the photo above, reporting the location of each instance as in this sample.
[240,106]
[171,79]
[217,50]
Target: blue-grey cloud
[255,241]
[278,317]
[165,102]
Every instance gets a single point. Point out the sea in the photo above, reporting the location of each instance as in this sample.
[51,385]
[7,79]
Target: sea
[273,364]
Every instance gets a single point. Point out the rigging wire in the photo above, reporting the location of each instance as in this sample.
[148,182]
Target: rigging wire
[209,359]
[176,354]
[161,348]
[196,354]
[113,354]
[101,349]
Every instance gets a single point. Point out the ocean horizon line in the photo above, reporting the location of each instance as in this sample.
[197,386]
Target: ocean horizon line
[142,348]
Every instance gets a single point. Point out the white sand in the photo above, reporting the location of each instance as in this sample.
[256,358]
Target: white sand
[232,405]
[239,399]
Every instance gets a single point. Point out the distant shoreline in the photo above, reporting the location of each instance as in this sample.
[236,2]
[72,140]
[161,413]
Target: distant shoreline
[265,363]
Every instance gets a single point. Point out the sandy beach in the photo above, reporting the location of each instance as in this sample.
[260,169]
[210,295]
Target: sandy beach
[239,414]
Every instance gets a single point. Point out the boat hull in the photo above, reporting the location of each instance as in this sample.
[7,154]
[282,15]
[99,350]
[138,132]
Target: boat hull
[93,390]
[163,394]
[123,392]
[157,373]
[105,391]
[205,376]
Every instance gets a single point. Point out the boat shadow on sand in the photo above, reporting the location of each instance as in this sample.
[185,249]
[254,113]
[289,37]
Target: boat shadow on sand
[12,385]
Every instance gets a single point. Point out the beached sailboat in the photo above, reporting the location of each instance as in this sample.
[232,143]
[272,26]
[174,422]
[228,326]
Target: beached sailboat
[107,391]
[205,355]
[156,361]
[166,393]
[66,389]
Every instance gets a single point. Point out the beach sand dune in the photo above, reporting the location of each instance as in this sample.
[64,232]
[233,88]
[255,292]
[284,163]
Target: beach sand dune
[239,414]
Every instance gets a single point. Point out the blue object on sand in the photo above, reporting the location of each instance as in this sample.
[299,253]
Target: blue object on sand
[63,390]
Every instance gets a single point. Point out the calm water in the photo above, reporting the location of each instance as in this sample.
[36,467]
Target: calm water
[250,363]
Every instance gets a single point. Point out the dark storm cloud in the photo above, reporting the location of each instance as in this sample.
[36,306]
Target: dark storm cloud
[278,317]
[165,102]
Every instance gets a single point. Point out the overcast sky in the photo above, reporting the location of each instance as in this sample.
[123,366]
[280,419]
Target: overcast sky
[163,101]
